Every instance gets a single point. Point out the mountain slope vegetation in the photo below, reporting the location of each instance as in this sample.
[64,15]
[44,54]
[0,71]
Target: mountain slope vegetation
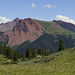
[47,41]
[55,27]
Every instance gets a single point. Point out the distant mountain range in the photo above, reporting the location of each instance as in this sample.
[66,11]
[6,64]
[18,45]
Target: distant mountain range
[9,25]
[23,33]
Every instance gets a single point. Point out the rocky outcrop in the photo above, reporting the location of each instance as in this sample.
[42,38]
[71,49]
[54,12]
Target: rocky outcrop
[25,29]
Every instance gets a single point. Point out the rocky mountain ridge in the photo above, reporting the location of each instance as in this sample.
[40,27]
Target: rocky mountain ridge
[25,29]
[9,25]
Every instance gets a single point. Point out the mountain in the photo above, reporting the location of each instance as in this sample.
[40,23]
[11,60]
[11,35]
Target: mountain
[66,25]
[9,25]
[25,29]
[55,28]
[36,33]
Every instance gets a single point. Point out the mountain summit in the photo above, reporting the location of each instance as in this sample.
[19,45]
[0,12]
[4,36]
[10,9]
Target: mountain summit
[25,29]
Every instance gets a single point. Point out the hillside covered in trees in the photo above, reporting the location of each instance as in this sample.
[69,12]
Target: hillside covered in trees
[47,41]
[15,55]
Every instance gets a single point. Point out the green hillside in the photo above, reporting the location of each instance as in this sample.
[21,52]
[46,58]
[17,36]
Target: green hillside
[61,63]
[55,28]
[47,41]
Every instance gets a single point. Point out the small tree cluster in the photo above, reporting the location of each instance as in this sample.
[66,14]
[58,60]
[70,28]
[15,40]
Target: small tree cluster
[36,52]
[14,55]
[10,53]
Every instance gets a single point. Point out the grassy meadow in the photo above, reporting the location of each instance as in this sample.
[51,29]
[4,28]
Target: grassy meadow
[61,63]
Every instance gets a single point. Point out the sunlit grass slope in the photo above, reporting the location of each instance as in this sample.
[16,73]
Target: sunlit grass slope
[63,63]
[55,28]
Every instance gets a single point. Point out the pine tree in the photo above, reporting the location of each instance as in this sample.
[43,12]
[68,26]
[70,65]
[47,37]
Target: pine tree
[11,53]
[15,56]
[18,55]
[48,52]
[40,51]
[34,52]
[43,52]
[28,52]
[7,52]
[23,57]
[61,46]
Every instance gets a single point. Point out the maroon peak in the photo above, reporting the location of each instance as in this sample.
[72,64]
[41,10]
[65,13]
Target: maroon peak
[16,20]
[24,30]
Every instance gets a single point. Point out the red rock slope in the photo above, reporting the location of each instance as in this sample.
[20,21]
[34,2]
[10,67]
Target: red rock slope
[25,29]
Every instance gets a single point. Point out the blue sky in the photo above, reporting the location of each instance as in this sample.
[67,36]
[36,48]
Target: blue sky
[37,9]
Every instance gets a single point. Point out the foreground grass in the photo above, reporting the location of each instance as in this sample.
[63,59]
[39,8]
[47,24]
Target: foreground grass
[4,60]
[62,64]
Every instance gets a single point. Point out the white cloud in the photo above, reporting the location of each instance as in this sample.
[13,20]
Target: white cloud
[64,18]
[42,20]
[33,5]
[3,20]
[48,5]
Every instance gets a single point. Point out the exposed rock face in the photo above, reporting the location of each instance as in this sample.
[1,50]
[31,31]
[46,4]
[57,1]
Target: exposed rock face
[66,25]
[25,29]
[9,25]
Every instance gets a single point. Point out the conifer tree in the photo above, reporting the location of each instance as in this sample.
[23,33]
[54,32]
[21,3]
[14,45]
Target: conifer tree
[15,56]
[18,55]
[61,46]
[34,52]
[23,57]
[11,53]
[40,51]
[48,52]
[28,52]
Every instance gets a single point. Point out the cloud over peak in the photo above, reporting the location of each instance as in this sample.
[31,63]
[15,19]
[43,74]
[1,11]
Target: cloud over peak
[33,5]
[64,18]
[3,20]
